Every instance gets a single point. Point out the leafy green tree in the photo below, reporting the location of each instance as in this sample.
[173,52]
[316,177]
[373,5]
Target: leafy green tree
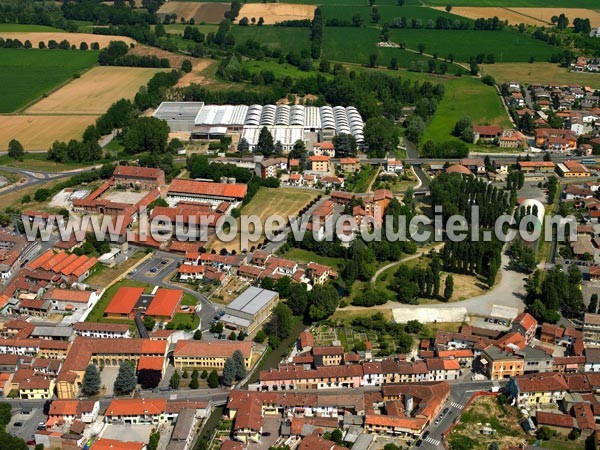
[149,323]
[91,381]
[146,134]
[194,383]
[265,144]
[593,306]
[448,287]
[280,324]
[381,135]
[323,301]
[240,365]
[126,379]
[185,374]
[186,66]
[204,374]
[229,372]
[260,337]
[153,440]
[198,335]
[336,436]
[213,380]
[5,414]
[174,381]
[16,150]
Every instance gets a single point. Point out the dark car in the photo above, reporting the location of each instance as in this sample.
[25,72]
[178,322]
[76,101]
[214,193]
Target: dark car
[425,435]
[445,410]
[266,433]
[419,442]
[18,424]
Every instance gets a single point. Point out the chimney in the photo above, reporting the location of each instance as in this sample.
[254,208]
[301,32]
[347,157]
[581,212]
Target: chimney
[408,404]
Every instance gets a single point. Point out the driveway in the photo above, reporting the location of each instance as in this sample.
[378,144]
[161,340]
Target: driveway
[108,375]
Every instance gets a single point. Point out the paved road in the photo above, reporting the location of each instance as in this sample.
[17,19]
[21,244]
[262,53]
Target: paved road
[33,178]
[161,277]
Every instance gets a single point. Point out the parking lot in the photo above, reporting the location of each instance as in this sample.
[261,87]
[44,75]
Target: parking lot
[25,423]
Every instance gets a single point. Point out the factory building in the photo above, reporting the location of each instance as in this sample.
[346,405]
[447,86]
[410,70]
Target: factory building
[286,123]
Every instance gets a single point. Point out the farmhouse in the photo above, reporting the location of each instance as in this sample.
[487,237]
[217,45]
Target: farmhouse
[205,191]
[536,166]
[571,169]
[146,178]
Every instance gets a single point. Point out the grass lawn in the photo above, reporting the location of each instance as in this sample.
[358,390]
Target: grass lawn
[506,45]
[39,161]
[386,11]
[288,39]
[346,317]
[185,320]
[539,72]
[282,201]
[280,70]
[107,274]
[466,97]
[504,420]
[178,28]
[26,74]
[359,182]
[97,314]
[558,444]
[189,300]
[304,256]
[267,202]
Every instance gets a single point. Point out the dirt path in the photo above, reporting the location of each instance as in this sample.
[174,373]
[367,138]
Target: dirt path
[373,179]
[403,260]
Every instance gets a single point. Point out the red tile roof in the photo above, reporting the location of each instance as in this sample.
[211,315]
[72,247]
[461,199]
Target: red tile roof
[136,406]
[124,300]
[113,444]
[137,172]
[68,295]
[180,186]
[212,348]
[151,363]
[164,303]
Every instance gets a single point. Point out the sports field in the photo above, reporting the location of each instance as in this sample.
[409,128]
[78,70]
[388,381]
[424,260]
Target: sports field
[27,74]
[209,12]
[288,39]
[507,46]
[542,73]
[95,91]
[277,12]
[74,38]
[39,132]
[466,97]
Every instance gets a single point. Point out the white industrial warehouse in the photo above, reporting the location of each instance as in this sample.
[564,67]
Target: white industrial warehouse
[286,123]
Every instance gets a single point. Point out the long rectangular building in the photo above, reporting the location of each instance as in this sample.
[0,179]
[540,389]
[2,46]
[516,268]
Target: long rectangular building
[286,123]
[250,309]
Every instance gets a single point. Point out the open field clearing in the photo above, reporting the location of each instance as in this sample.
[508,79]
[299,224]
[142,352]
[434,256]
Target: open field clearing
[39,132]
[267,202]
[465,97]
[26,74]
[545,14]
[197,75]
[288,39]
[209,12]
[74,38]
[95,91]
[530,16]
[592,4]
[542,72]
[512,16]
[277,12]
[506,46]
[387,12]
[174,59]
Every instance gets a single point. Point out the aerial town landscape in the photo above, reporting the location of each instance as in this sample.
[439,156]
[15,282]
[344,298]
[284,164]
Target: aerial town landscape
[302,225]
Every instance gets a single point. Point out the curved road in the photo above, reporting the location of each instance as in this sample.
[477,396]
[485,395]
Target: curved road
[35,177]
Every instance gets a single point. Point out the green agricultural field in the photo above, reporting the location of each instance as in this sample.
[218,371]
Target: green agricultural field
[280,70]
[8,27]
[355,45]
[465,97]
[27,74]
[507,46]
[288,39]
[592,4]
